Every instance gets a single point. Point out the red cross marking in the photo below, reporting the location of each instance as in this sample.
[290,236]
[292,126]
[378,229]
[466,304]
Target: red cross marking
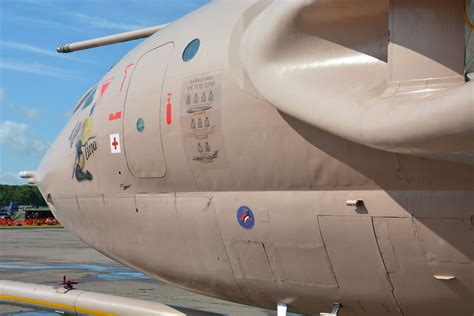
[115,143]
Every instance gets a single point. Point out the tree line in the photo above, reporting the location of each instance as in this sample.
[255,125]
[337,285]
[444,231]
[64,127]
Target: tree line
[21,194]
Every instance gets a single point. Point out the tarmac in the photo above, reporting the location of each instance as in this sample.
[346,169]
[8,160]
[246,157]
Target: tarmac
[44,256]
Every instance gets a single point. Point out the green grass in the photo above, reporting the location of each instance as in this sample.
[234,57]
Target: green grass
[30,227]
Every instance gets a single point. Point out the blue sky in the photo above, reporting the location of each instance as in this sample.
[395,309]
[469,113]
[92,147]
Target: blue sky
[38,87]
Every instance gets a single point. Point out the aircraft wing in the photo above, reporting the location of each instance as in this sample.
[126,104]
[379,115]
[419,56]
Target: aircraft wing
[385,74]
[76,302]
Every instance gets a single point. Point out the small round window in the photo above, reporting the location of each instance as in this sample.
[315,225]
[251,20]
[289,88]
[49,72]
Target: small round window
[140,125]
[191,50]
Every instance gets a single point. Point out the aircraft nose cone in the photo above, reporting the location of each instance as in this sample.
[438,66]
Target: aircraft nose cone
[42,175]
[52,172]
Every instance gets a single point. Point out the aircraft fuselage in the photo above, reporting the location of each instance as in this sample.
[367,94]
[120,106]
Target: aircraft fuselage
[177,170]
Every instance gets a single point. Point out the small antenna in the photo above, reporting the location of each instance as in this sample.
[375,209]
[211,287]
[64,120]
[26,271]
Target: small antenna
[68,284]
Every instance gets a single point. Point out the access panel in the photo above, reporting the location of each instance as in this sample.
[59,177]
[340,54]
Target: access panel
[141,129]
[358,266]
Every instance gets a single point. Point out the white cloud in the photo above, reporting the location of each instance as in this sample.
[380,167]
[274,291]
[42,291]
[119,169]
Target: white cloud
[29,113]
[8,177]
[35,68]
[28,48]
[43,3]
[31,21]
[94,21]
[17,137]
[35,49]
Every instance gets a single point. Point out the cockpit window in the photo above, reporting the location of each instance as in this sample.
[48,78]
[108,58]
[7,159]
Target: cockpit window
[89,98]
[86,99]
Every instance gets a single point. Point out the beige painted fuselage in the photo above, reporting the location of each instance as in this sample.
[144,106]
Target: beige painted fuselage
[153,172]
